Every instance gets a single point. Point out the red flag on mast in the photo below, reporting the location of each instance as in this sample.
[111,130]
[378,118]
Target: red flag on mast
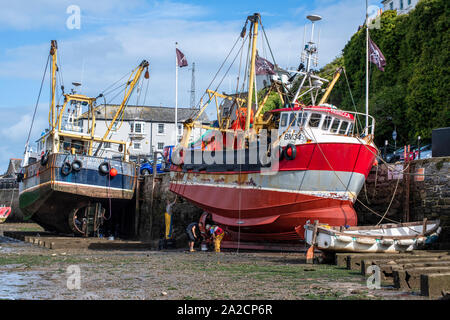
[376,56]
[181,59]
[263,66]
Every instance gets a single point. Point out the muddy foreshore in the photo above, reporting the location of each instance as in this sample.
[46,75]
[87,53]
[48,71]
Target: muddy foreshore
[31,272]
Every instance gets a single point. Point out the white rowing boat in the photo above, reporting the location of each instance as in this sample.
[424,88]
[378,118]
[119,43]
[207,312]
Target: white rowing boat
[382,238]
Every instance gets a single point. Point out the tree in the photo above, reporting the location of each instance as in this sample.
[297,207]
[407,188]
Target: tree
[414,89]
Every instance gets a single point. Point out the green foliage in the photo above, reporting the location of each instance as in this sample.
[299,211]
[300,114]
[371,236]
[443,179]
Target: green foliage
[414,89]
[273,101]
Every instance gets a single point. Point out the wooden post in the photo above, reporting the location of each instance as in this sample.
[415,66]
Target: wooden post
[137,206]
[424,226]
[310,253]
[155,154]
[406,184]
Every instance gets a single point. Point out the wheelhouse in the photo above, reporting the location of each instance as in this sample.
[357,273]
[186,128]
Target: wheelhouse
[321,119]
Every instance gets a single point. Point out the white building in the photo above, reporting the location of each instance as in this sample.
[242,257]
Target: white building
[402,6]
[264,80]
[145,128]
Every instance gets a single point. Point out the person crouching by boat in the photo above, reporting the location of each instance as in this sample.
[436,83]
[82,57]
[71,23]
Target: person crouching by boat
[194,234]
[217,234]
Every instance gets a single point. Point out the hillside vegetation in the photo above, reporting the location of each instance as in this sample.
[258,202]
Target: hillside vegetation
[413,92]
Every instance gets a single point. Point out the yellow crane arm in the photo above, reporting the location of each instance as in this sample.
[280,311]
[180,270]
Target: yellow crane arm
[331,85]
[136,74]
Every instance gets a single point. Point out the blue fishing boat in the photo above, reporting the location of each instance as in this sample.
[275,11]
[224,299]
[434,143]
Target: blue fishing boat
[66,186]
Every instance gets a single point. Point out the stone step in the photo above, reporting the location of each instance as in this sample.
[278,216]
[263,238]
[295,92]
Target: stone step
[435,285]
[409,279]
[404,262]
[354,261]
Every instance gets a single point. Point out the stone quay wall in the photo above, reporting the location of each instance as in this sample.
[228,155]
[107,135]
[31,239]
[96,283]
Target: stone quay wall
[152,208]
[424,192]
[9,197]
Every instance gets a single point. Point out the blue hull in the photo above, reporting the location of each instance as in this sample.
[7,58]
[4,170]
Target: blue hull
[50,196]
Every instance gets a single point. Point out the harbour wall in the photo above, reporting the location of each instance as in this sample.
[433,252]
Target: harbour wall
[407,193]
[9,196]
[153,194]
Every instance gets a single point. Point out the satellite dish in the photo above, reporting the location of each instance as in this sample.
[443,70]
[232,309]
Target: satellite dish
[314,17]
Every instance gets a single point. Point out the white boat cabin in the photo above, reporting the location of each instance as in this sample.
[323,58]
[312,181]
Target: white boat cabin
[300,125]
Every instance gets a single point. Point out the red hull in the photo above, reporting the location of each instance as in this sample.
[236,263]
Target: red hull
[276,219]
[256,208]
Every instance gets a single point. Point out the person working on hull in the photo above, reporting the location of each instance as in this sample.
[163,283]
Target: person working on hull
[168,219]
[217,234]
[194,234]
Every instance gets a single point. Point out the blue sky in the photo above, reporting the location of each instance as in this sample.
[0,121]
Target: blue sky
[115,35]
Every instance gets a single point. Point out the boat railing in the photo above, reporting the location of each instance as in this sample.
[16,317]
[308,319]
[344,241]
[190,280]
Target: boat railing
[72,128]
[356,115]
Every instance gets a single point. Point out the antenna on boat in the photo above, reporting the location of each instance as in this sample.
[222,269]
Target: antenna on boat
[308,56]
[76,85]
[311,49]
[316,60]
[366,130]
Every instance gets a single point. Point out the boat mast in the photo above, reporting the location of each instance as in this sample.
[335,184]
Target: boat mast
[367,70]
[176,95]
[53,53]
[254,20]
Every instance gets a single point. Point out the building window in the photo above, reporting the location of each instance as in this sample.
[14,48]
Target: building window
[391,5]
[160,145]
[161,128]
[409,2]
[401,4]
[137,146]
[137,127]
[107,144]
[180,129]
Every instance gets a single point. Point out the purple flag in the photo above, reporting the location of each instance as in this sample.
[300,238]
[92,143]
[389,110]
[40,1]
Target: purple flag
[263,66]
[376,56]
[181,59]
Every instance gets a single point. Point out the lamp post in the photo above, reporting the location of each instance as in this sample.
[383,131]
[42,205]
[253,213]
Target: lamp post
[385,148]
[418,147]
[394,133]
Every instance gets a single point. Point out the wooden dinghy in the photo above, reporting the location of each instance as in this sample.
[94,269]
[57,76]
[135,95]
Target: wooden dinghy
[389,238]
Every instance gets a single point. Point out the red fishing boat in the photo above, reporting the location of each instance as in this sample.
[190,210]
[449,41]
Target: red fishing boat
[4,213]
[265,172]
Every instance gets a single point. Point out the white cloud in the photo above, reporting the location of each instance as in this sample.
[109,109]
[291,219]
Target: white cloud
[29,15]
[122,36]
[15,125]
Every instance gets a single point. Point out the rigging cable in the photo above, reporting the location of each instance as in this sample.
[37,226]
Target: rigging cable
[214,78]
[37,102]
